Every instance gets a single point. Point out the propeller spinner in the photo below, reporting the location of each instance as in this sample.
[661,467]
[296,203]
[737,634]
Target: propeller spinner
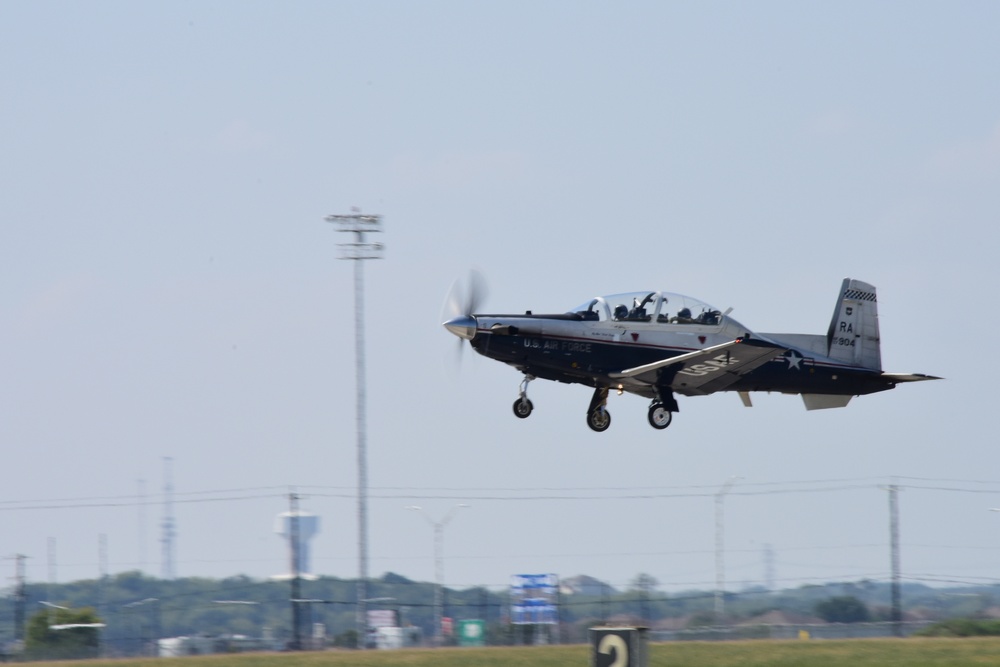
[463,326]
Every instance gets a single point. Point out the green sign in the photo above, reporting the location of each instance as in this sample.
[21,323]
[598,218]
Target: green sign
[472,633]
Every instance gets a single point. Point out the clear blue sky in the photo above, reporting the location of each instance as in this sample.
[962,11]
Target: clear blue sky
[168,286]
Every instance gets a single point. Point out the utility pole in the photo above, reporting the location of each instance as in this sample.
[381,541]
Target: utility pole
[141,523]
[293,509]
[644,586]
[102,588]
[720,573]
[52,567]
[897,603]
[769,568]
[358,250]
[169,531]
[439,527]
[20,598]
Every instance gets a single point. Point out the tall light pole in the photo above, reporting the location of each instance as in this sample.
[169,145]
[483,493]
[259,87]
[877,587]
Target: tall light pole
[720,574]
[359,249]
[147,646]
[439,563]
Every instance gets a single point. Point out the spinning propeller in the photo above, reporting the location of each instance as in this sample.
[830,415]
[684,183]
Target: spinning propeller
[464,298]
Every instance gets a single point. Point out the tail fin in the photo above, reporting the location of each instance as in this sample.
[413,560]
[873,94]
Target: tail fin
[853,336]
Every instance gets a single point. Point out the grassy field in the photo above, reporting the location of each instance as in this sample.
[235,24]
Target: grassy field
[818,653]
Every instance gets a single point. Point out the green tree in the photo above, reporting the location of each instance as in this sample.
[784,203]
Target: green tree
[63,633]
[843,609]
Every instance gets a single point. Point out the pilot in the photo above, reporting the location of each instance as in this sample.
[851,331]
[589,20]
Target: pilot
[621,312]
[663,316]
[684,316]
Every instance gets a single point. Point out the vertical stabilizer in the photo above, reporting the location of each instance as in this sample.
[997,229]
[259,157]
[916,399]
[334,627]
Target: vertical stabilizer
[853,337]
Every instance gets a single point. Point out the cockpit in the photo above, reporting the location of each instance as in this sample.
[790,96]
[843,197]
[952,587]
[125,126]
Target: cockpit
[659,307]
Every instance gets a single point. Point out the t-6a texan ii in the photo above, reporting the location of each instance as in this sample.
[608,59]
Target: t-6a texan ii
[659,345]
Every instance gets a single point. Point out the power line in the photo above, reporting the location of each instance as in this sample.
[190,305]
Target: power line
[748,489]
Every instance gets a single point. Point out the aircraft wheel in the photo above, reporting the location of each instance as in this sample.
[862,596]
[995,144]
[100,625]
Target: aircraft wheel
[599,420]
[659,416]
[523,408]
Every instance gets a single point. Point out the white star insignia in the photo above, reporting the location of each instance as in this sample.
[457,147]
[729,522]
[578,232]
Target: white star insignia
[794,360]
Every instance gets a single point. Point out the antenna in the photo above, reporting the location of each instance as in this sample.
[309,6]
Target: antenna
[168,530]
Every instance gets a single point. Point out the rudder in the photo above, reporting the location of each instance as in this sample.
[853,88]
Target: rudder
[853,337]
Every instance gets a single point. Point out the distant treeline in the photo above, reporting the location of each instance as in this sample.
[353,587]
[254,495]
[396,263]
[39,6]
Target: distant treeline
[138,608]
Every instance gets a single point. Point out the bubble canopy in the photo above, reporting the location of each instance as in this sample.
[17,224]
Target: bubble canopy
[662,307]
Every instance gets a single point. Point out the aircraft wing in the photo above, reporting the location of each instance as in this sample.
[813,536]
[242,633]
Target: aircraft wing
[705,371]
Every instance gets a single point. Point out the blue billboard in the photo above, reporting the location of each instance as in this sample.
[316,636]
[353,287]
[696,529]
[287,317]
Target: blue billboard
[533,599]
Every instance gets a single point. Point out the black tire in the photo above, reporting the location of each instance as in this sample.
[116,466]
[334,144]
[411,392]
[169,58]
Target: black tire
[523,408]
[659,417]
[599,420]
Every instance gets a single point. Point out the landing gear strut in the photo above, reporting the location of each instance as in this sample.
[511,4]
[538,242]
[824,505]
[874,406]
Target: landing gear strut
[523,406]
[598,417]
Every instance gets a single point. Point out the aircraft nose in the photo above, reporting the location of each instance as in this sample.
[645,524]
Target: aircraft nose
[463,326]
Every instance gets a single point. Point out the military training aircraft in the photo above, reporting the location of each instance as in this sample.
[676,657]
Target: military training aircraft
[659,344]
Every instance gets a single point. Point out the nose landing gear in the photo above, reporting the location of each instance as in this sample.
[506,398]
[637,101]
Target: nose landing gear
[523,406]
[598,417]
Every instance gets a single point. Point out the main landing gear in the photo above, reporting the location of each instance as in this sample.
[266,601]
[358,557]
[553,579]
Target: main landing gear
[660,415]
[661,412]
[662,409]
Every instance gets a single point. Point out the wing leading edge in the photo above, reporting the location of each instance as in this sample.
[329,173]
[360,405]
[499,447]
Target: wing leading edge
[705,371]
